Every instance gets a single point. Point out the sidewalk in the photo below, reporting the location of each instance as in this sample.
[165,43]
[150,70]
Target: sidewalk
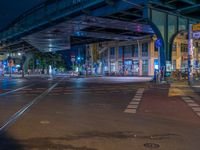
[16,76]
[181,88]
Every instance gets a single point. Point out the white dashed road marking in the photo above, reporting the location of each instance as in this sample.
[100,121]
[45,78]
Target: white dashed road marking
[130,111]
[133,105]
[189,101]
[195,107]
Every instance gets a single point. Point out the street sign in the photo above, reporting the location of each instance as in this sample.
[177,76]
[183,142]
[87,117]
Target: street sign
[196,35]
[158,43]
[196,27]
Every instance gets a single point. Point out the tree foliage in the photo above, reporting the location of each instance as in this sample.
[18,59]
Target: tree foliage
[43,60]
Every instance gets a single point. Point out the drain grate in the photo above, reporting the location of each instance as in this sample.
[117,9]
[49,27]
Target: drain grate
[151,145]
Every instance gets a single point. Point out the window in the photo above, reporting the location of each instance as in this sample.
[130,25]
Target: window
[145,67]
[174,46]
[120,67]
[197,46]
[174,64]
[135,67]
[182,24]
[128,51]
[198,49]
[184,47]
[128,67]
[112,52]
[145,49]
[112,67]
[120,52]
[184,64]
[134,51]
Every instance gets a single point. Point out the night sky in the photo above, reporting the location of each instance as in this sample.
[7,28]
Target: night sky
[11,9]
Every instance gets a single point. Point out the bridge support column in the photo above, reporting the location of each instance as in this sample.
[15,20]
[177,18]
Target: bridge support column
[166,25]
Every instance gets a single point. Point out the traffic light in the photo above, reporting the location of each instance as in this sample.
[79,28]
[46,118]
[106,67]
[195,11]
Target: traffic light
[78,58]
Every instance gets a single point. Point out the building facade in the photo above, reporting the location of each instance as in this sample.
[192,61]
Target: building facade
[129,58]
[180,53]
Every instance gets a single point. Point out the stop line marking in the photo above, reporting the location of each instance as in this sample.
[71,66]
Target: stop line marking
[133,105]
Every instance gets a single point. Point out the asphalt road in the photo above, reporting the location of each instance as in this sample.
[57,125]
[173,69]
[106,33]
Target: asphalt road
[64,113]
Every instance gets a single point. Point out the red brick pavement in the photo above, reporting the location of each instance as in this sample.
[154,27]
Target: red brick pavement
[156,102]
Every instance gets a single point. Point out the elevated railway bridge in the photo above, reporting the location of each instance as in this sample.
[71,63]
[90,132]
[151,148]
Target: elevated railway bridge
[57,25]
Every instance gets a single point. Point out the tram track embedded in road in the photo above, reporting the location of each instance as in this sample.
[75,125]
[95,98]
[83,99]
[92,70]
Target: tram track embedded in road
[13,91]
[12,119]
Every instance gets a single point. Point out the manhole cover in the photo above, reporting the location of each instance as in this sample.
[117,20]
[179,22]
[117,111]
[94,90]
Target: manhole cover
[151,145]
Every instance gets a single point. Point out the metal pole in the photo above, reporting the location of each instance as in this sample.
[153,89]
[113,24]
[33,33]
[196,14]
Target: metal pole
[190,55]
[123,63]
[22,70]
[10,71]
[159,66]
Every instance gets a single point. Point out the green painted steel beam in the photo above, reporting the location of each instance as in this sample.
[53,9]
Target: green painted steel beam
[189,9]
[192,2]
[31,21]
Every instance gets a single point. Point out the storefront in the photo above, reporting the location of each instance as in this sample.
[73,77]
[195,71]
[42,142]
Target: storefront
[144,67]
[132,58]
[135,67]
[128,67]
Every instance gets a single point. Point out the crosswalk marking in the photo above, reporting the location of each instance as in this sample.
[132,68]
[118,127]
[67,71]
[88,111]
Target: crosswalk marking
[136,99]
[133,105]
[191,103]
[138,94]
[130,111]
[186,98]
[196,109]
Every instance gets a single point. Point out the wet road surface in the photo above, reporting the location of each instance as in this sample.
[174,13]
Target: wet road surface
[95,114]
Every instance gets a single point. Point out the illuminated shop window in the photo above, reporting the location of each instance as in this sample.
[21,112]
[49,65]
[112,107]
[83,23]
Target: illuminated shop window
[112,52]
[120,52]
[184,48]
[135,67]
[128,51]
[134,51]
[145,49]
[144,67]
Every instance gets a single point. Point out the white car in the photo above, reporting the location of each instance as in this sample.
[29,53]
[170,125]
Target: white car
[74,74]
